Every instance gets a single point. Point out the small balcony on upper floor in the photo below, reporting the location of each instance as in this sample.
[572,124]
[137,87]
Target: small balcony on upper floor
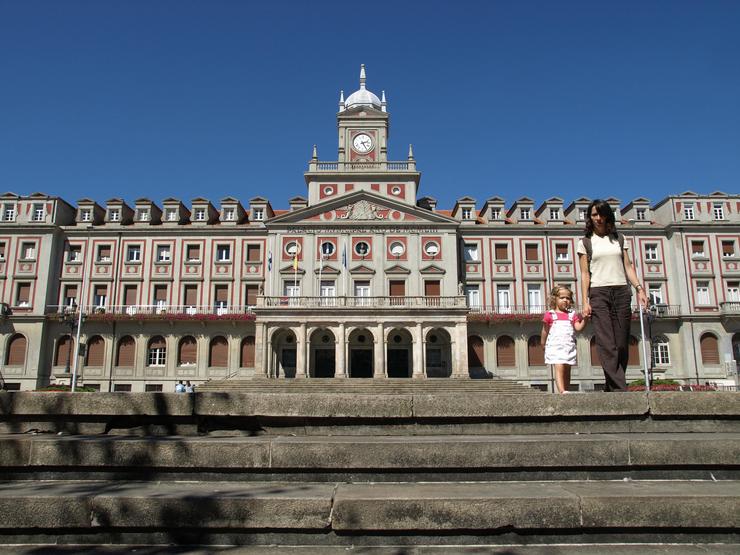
[729,309]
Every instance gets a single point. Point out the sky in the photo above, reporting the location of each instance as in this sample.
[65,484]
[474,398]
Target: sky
[216,98]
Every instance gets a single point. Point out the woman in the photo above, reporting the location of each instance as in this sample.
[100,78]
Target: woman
[606,276]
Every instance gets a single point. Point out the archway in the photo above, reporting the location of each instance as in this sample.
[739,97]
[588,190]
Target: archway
[283,351]
[323,347]
[438,354]
[360,356]
[399,358]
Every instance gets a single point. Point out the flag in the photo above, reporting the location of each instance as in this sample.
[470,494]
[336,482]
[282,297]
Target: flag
[344,256]
[269,261]
[295,262]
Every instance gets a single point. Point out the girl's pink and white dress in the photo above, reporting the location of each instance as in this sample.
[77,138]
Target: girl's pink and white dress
[560,347]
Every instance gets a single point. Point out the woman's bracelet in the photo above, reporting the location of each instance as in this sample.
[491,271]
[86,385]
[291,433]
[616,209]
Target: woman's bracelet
[638,287]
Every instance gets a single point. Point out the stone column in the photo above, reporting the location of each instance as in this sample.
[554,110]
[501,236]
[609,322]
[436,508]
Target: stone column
[301,368]
[260,353]
[460,351]
[379,370]
[340,352]
[418,351]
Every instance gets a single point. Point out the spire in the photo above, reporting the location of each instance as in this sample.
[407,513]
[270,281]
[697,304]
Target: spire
[411,152]
[341,101]
[362,76]
[315,155]
[383,103]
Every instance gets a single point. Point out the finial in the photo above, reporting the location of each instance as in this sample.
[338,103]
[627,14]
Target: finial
[411,152]
[362,76]
[315,155]
[341,101]
[383,103]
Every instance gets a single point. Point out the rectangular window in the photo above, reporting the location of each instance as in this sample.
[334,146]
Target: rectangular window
[651,251]
[534,298]
[501,251]
[229,214]
[362,290]
[728,249]
[503,299]
[554,213]
[466,213]
[133,253]
[688,211]
[561,252]
[641,214]
[327,292]
[122,388]
[160,297]
[221,298]
[28,251]
[292,290]
[524,213]
[495,213]
[223,253]
[86,215]
[103,253]
[655,293]
[190,295]
[200,214]
[23,295]
[9,213]
[193,253]
[114,215]
[259,214]
[582,214]
[661,355]
[531,252]
[718,211]
[251,292]
[38,213]
[472,294]
[100,297]
[163,253]
[733,291]
[143,214]
[702,293]
[254,253]
[396,290]
[697,248]
[129,295]
[70,295]
[471,252]
[74,254]
[2,252]
[153,388]
[171,214]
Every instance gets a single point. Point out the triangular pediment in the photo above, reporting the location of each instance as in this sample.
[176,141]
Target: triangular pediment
[362,269]
[361,207]
[327,270]
[290,270]
[397,269]
[432,269]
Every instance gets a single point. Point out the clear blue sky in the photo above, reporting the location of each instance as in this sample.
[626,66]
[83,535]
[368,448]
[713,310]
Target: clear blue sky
[183,98]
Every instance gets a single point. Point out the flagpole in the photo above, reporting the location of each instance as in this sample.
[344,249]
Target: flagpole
[321,266]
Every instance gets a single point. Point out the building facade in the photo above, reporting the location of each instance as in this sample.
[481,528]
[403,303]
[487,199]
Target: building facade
[362,278]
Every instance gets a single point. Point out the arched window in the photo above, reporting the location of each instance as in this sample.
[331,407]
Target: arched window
[247,352]
[661,353]
[709,349]
[65,346]
[187,351]
[633,353]
[156,351]
[218,352]
[535,351]
[16,351]
[95,351]
[476,357]
[126,352]
[505,353]
[595,360]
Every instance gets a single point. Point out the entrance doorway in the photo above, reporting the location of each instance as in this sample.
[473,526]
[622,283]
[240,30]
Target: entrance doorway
[398,363]
[324,363]
[361,363]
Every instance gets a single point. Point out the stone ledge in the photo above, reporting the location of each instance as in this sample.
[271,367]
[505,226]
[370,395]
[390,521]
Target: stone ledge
[704,403]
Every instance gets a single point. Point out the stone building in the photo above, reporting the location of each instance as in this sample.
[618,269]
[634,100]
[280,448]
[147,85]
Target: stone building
[362,278]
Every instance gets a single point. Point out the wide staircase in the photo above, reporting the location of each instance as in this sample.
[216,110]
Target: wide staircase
[342,472]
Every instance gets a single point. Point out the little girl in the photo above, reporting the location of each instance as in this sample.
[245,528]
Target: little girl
[558,335]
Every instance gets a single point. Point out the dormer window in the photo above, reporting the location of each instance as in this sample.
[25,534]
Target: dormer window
[86,215]
[114,215]
[495,213]
[200,214]
[259,214]
[9,213]
[641,214]
[143,214]
[581,214]
[171,214]
[524,213]
[554,213]
[688,211]
[229,214]
[38,212]
[466,213]
[718,211]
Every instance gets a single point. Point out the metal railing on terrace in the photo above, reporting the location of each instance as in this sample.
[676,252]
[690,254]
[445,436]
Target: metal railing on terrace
[659,310]
[154,311]
[362,302]
[333,166]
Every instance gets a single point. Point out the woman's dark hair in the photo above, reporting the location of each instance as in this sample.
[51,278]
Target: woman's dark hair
[606,212]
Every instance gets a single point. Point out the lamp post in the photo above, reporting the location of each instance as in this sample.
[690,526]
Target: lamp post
[83,299]
[638,267]
[68,318]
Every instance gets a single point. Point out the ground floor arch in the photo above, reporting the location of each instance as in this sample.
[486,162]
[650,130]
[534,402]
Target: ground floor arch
[283,354]
[438,353]
[322,354]
[360,353]
[399,354]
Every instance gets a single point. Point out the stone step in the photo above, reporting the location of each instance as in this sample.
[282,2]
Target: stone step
[378,458]
[341,513]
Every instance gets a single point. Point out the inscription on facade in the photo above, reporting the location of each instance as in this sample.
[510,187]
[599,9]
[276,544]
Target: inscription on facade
[351,229]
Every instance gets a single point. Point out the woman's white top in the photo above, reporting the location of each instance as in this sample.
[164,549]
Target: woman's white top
[607,264]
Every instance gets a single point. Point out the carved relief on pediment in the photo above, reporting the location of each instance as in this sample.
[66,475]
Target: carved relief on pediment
[363,210]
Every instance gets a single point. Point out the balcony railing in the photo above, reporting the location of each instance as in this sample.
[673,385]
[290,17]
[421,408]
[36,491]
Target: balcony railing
[163,312]
[730,308]
[658,311]
[320,166]
[361,302]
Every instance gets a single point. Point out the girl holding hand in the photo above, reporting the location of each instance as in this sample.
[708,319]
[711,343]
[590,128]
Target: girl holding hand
[559,327]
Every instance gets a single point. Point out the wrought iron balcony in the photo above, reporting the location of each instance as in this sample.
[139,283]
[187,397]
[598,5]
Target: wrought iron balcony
[361,302]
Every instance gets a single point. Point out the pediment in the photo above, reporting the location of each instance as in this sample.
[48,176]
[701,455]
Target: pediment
[432,269]
[361,207]
[362,269]
[326,270]
[397,269]
[290,270]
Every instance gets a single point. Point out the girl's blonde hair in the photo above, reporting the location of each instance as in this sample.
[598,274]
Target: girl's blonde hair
[555,292]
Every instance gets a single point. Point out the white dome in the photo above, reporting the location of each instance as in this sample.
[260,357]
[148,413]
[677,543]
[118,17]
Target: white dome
[363,97]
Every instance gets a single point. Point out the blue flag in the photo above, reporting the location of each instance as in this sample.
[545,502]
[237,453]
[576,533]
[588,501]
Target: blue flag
[344,256]
[269,261]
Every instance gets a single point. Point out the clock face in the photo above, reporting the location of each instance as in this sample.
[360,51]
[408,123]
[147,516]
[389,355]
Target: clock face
[362,143]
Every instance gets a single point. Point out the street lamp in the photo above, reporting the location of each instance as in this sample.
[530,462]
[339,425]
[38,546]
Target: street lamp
[67,317]
[638,267]
[86,269]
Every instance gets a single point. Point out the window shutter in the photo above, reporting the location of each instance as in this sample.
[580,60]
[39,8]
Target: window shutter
[633,356]
[252,295]
[160,293]
[126,351]
[24,292]
[253,253]
[505,354]
[247,355]
[502,251]
[728,248]
[431,288]
[188,351]
[129,295]
[221,293]
[71,291]
[697,247]
[63,349]
[104,252]
[709,349]
[16,351]
[595,360]
[530,252]
[561,251]
[101,290]
[535,351]
[191,295]
[219,352]
[95,351]
[397,288]
[475,352]
[193,252]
